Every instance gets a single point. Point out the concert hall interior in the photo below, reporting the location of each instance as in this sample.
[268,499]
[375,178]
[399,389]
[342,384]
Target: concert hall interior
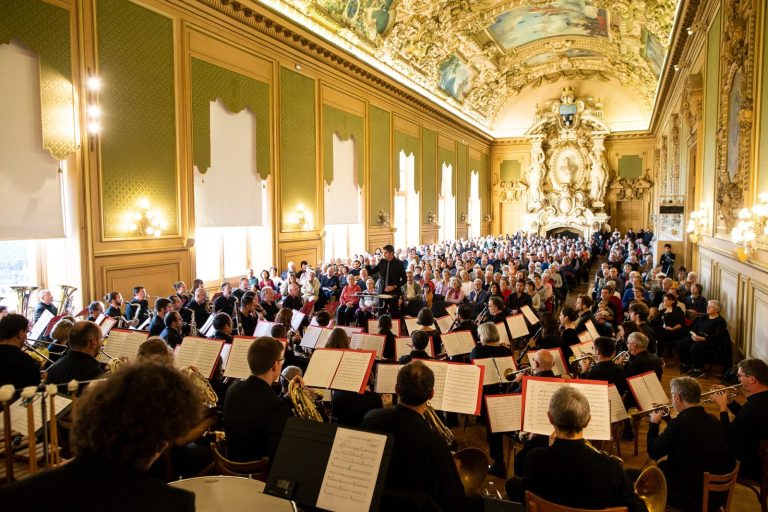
[452,181]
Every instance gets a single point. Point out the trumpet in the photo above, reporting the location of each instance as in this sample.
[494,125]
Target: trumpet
[574,360]
[621,357]
[65,303]
[733,392]
[510,374]
[666,409]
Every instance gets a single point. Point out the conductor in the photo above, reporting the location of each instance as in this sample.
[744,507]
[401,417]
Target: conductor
[391,277]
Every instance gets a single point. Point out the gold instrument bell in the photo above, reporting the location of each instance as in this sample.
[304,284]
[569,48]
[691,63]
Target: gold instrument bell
[207,394]
[303,402]
[472,464]
[651,487]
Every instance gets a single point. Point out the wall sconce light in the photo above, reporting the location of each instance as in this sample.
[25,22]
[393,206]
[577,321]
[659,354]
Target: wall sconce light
[302,218]
[383,219]
[431,217]
[144,221]
[697,223]
[463,217]
[752,228]
[487,217]
[92,108]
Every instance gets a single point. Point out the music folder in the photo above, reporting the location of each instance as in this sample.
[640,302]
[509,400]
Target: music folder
[39,328]
[348,470]
[348,370]
[647,390]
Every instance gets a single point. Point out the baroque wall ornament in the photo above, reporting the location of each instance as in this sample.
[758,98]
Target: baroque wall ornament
[735,120]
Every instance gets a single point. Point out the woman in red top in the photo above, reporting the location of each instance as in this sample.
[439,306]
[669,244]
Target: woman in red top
[345,314]
[266,281]
[506,291]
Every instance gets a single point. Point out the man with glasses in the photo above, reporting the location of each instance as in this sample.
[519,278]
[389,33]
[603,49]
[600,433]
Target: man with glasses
[80,363]
[750,424]
[254,416]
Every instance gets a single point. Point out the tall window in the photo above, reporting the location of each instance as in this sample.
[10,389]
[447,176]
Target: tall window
[475,212]
[343,198]
[407,204]
[446,215]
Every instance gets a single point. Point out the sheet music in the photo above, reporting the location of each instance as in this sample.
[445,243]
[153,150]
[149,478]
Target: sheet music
[124,343]
[352,471]
[517,326]
[39,328]
[350,330]
[226,349]
[100,318]
[529,315]
[491,376]
[411,325]
[452,311]
[592,329]
[296,319]
[106,325]
[373,327]
[263,328]
[648,390]
[444,323]
[503,336]
[353,371]
[323,338]
[458,342]
[144,325]
[311,335]
[439,369]
[462,388]
[207,328]
[201,353]
[505,412]
[585,337]
[582,349]
[538,392]
[19,419]
[618,412]
[386,377]
[557,355]
[237,365]
[362,341]
[322,367]
[404,345]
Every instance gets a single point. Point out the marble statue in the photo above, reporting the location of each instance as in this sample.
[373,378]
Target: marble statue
[535,176]
[598,177]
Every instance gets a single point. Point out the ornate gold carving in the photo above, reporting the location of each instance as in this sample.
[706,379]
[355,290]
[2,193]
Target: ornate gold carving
[734,128]
[691,105]
[674,170]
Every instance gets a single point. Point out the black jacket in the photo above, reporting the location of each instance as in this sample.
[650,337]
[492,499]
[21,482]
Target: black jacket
[74,365]
[130,310]
[254,418]
[395,276]
[83,487]
[171,337]
[573,474]
[745,432]
[18,368]
[42,307]
[156,326]
[610,372]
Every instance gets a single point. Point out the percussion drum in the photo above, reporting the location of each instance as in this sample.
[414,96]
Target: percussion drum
[233,494]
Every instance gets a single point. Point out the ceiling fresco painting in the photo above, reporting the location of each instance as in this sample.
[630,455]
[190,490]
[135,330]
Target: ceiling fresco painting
[479,58]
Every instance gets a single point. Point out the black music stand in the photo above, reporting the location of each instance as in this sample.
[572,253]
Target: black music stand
[300,462]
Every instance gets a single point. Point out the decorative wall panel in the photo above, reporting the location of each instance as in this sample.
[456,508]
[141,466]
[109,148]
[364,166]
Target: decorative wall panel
[381,190]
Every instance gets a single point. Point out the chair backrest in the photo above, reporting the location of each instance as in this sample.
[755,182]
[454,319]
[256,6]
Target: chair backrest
[719,483]
[257,469]
[536,504]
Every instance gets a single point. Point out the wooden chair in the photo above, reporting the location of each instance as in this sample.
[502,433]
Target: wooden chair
[534,503]
[257,469]
[719,483]
[760,488]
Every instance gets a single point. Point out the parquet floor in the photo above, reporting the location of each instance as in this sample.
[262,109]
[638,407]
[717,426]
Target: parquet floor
[473,435]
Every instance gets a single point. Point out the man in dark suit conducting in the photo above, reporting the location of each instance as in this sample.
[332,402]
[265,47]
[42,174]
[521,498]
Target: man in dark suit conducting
[390,273]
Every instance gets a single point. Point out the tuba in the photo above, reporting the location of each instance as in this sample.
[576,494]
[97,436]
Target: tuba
[24,293]
[437,425]
[65,303]
[472,464]
[209,396]
[303,402]
[651,487]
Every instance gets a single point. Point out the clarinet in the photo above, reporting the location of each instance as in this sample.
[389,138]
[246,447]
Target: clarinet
[528,345]
[481,316]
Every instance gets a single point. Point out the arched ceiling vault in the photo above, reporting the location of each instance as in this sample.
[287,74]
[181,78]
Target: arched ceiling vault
[478,56]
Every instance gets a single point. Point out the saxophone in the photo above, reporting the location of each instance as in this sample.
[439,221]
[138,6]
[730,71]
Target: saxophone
[208,395]
[192,324]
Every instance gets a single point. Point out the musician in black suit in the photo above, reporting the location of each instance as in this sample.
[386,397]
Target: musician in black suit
[115,302]
[254,416]
[156,326]
[222,328]
[198,307]
[390,274]
[246,318]
[569,471]
[138,303]
[226,301]
[518,298]
[421,461]
[80,362]
[172,332]
[45,304]
[464,321]
[641,361]
[544,364]
[604,367]
[419,342]
[95,309]
[16,367]
[112,469]
[694,443]
[584,309]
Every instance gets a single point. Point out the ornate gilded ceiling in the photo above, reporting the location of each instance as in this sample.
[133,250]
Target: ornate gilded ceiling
[478,57]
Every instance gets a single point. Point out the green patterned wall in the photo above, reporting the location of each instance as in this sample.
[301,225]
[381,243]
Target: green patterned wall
[446,157]
[237,92]
[298,144]
[462,182]
[429,178]
[762,170]
[485,184]
[138,138]
[44,29]
[346,126]
[379,154]
[409,144]
[712,88]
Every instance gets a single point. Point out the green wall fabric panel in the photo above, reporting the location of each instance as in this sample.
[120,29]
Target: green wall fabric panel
[762,169]
[380,162]
[237,92]
[138,138]
[44,29]
[298,144]
[485,185]
[446,157]
[346,126]
[630,166]
[712,88]
[511,170]
[429,178]
[462,179]
[409,144]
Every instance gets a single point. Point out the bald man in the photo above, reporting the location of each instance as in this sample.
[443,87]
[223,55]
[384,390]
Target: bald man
[544,362]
